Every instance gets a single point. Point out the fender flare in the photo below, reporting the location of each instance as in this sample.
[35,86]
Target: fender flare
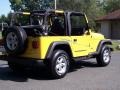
[53,46]
[104,42]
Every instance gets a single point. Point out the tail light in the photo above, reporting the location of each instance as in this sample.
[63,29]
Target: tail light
[35,44]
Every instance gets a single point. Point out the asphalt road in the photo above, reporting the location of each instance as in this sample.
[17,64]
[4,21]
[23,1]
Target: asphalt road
[85,76]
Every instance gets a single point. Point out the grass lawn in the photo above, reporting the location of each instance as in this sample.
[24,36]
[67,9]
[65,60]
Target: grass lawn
[115,44]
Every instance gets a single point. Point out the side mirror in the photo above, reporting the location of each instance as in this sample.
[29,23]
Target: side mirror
[88,30]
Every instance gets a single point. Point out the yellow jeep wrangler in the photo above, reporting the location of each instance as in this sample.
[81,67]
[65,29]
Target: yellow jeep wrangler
[55,37]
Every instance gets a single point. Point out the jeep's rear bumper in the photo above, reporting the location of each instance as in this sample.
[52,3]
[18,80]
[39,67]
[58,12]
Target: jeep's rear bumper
[21,60]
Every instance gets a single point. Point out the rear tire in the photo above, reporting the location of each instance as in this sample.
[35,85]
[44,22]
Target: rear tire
[104,58]
[59,64]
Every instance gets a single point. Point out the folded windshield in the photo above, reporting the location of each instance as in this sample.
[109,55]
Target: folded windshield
[20,19]
[37,20]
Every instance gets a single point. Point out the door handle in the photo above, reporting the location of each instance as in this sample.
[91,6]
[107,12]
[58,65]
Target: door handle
[75,40]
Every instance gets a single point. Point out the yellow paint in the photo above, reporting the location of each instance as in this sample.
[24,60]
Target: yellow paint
[95,40]
[80,45]
[30,52]
[44,43]
[26,13]
[83,46]
[59,11]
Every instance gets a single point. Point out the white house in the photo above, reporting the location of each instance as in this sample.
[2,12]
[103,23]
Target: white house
[110,25]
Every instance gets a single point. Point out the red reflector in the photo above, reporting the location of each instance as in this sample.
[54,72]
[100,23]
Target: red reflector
[35,44]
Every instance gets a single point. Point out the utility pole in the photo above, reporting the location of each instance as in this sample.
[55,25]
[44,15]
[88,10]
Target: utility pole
[55,4]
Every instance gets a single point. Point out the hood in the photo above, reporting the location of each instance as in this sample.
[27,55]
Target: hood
[97,35]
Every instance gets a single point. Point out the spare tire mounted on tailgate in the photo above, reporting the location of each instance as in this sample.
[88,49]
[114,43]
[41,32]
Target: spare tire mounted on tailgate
[15,40]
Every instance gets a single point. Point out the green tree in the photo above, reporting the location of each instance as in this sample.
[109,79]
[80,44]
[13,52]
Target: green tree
[29,5]
[92,8]
[111,5]
[3,18]
[16,5]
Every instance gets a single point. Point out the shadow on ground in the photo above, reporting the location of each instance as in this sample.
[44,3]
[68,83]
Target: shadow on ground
[38,73]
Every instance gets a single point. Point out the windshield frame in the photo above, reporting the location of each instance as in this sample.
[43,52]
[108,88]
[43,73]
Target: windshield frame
[33,15]
[14,17]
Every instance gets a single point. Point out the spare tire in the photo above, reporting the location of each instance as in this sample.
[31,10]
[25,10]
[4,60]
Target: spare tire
[15,40]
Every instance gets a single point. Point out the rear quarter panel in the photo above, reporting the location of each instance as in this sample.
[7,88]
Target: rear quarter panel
[44,43]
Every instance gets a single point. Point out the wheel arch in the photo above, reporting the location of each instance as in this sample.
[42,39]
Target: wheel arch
[102,43]
[59,45]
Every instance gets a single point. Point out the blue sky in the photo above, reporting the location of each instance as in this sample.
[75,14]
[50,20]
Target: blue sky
[4,7]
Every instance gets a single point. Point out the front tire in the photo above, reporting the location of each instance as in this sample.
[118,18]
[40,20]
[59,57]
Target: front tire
[59,64]
[104,58]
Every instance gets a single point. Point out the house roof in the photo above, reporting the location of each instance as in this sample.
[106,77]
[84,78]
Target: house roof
[111,16]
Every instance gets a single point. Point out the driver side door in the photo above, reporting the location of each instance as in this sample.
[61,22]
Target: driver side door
[80,38]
